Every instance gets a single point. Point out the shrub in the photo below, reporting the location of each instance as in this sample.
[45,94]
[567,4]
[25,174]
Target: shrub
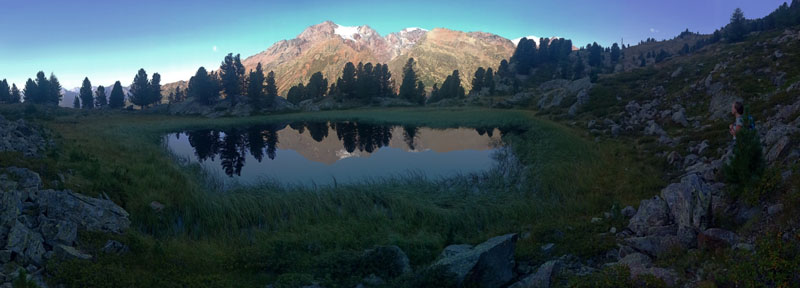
[747,165]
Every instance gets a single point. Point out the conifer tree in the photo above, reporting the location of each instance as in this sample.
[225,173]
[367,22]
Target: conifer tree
[155,90]
[54,92]
[140,89]
[477,81]
[420,93]
[255,87]
[202,87]
[31,92]
[15,95]
[5,92]
[296,94]
[408,89]
[317,87]
[488,80]
[87,97]
[100,99]
[615,53]
[737,28]
[270,89]
[76,103]
[117,98]
[232,75]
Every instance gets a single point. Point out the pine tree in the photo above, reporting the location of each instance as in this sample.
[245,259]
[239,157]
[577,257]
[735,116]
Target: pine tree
[202,87]
[615,53]
[117,98]
[737,28]
[76,103]
[420,93]
[87,97]
[408,87]
[488,80]
[270,89]
[477,81]
[15,95]
[43,89]
[155,90]
[595,55]
[232,75]
[643,62]
[54,94]
[100,99]
[255,88]
[503,71]
[317,87]
[5,91]
[525,56]
[140,89]
[296,94]
[347,84]
[31,92]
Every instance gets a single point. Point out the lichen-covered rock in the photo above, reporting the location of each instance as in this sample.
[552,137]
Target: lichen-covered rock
[689,202]
[489,264]
[89,213]
[652,212]
[26,243]
[542,278]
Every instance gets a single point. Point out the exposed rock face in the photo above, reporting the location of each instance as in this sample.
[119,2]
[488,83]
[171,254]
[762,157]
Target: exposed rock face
[689,202]
[488,264]
[36,225]
[652,212]
[19,136]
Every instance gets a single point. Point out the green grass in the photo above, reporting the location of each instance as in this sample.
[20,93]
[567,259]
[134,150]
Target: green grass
[259,235]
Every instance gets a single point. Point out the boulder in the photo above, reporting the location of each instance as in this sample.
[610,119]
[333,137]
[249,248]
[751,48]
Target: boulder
[628,211]
[780,147]
[58,231]
[88,213]
[679,117]
[114,247]
[388,261]
[26,243]
[654,245]
[689,202]
[69,252]
[489,264]
[774,209]
[716,234]
[652,212]
[542,278]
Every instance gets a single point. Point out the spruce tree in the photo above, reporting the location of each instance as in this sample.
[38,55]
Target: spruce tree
[202,87]
[477,81]
[296,94]
[408,89]
[117,98]
[15,95]
[155,90]
[488,80]
[140,89]
[43,89]
[255,88]
[54,94]
[615,53]
[347,84]
[317,86]
[31,92]
[87,97]
[270,89]
[5,92]
[737,28]
[76,103]
[232,75]
[420,93]
[100,99]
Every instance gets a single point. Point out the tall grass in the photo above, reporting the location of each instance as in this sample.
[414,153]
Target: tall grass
[248,235]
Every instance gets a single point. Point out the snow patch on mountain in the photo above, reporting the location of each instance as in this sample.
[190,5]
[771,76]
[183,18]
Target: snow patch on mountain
[410,29]
[346,32]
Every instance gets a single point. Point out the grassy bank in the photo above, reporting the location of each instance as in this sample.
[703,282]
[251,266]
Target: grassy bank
[258,235]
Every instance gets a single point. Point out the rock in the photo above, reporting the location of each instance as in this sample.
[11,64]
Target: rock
[615,130]
[390,261]
[489,264]
[591,124]
[596,220]
[19,136]
[114,247]
[58,231]
[717,234]
[26,179]
[677,72]
[778,149]
[636,260]
[373,281]
[613,230]
[69,252]
[774,209]
[26,243]
[653,129]
[88,213]
[5,256]
[453,250]
[542,278]
[674,158]
[547,248]
[652,212]
[654,245]
[689,202]
[679,117]
[669,276]
[156,206]
[743,246]
[628,211]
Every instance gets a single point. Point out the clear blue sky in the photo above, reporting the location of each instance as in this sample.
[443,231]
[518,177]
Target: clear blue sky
[111,40]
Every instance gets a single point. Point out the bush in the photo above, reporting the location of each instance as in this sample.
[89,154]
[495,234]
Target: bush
[747,165]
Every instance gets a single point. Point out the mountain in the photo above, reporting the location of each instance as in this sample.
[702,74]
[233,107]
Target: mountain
[327,46]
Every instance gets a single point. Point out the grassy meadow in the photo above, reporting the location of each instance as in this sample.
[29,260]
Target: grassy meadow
[253,236]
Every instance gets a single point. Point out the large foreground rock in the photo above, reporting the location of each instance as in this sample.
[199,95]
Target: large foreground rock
[652,212]
[19,136]
[689,202]
[489,264]
[542,278]
[89,213]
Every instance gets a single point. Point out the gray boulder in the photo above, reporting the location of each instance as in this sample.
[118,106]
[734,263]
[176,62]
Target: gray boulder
[489,264]
[652,212]
[69,252]
[88,213]
[390,261]
[689,202]
[542,278]
[26,243]
[654,245]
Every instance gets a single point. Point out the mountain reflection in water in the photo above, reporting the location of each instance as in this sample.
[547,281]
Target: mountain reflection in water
[340,152]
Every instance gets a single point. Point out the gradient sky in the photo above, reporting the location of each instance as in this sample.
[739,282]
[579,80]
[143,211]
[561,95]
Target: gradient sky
[111,40]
